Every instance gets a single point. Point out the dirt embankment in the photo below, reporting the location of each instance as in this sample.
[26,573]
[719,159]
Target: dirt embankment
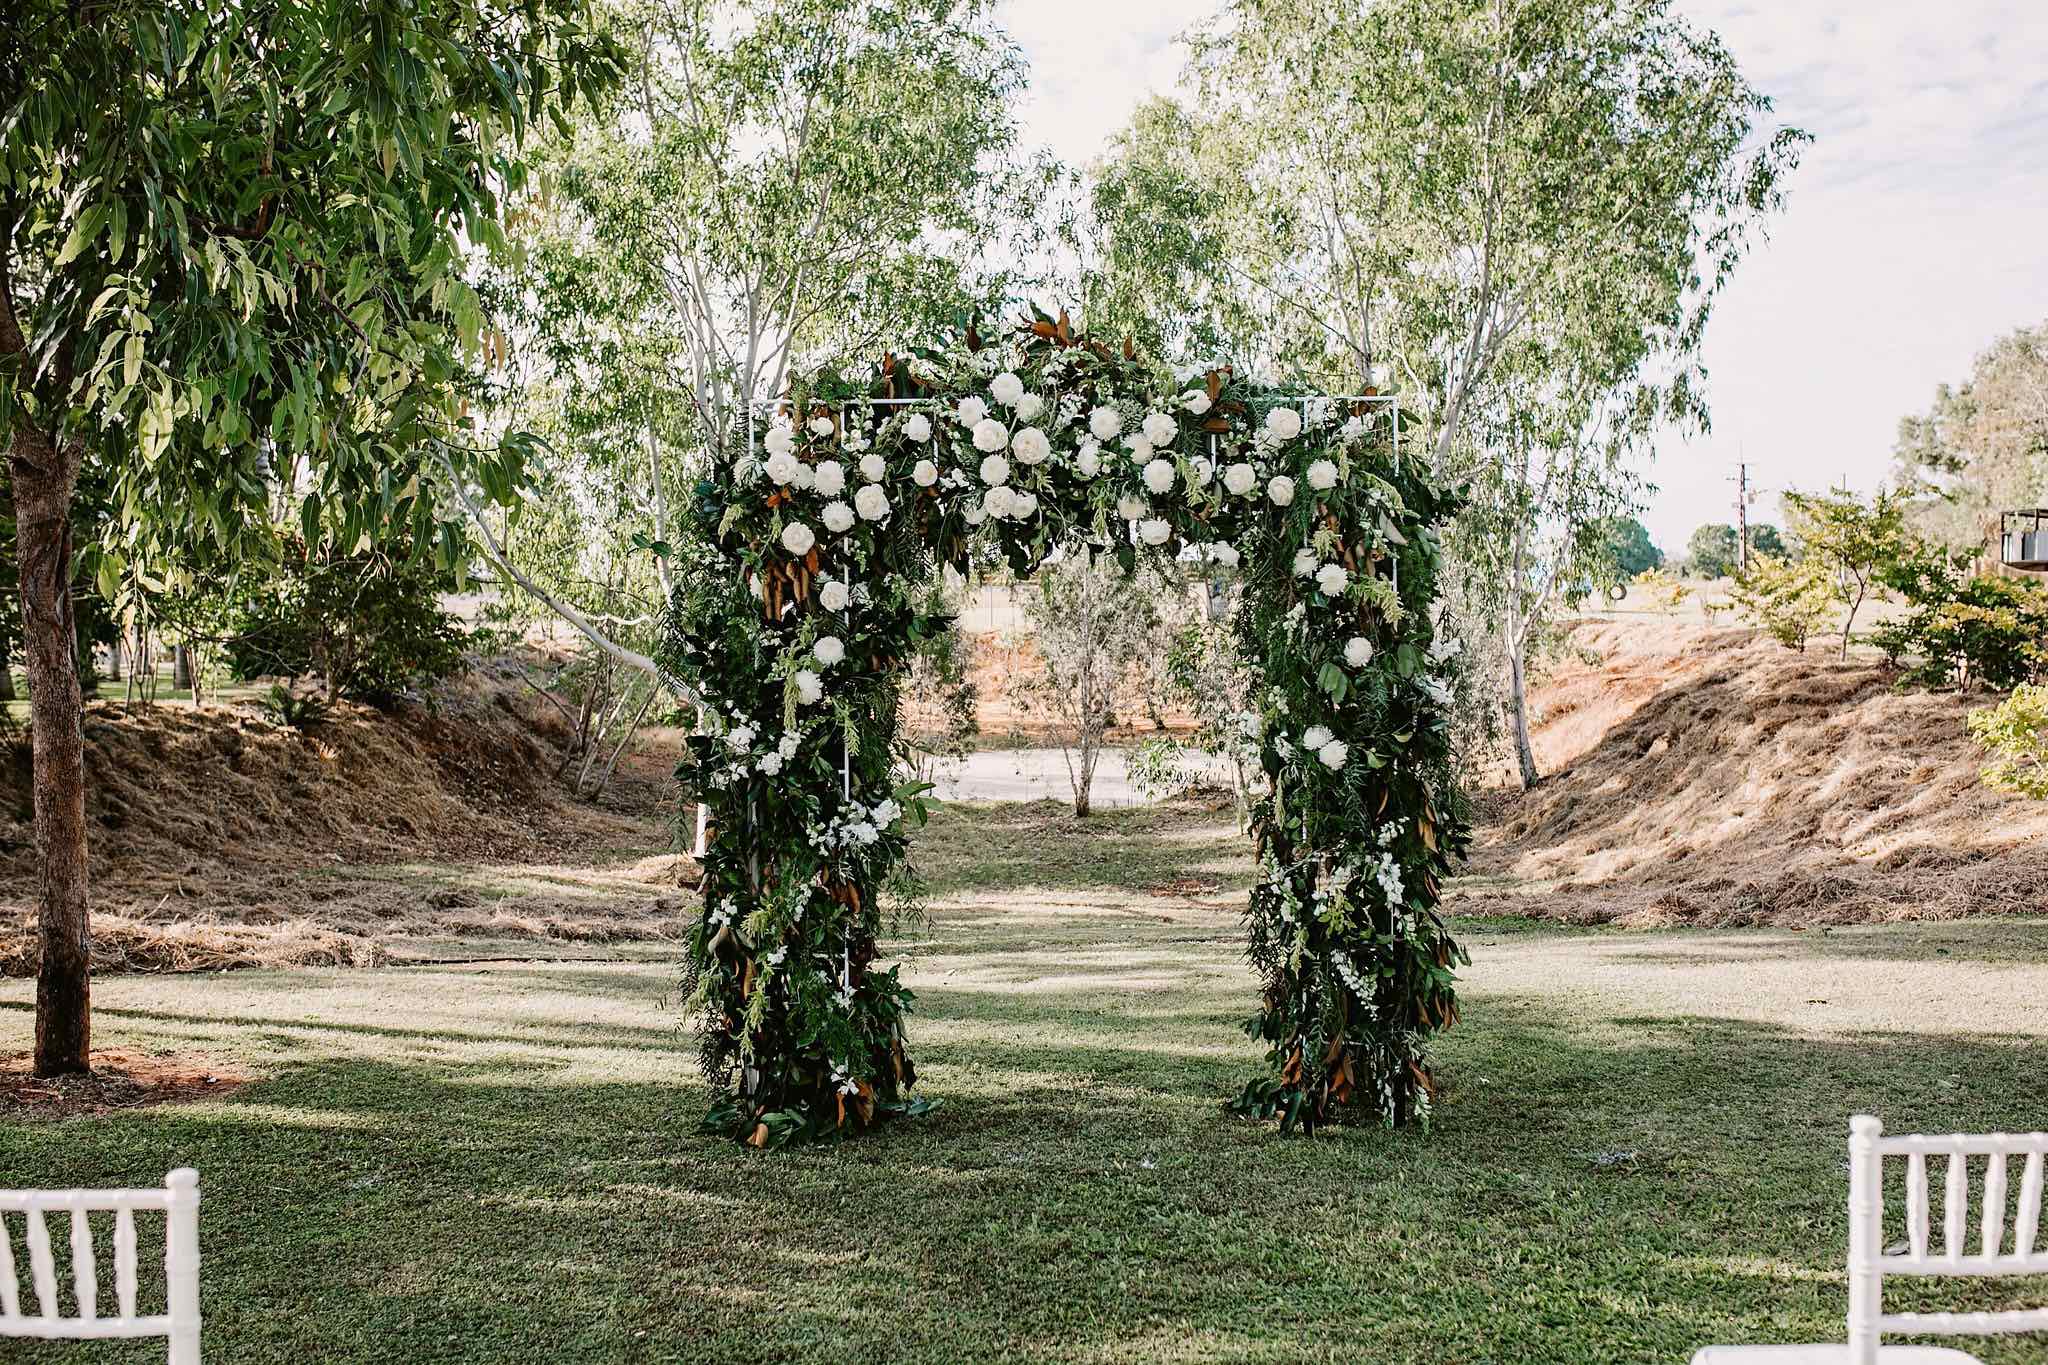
[218,838]
[1711,777]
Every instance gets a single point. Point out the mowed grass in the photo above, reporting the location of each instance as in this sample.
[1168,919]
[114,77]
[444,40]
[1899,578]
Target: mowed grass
[1641,1150]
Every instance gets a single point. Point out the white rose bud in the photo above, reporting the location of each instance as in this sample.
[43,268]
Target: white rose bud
[1195,401]
[1030,446]
[1006,388]
[1358,651]
[871,502]
[821,426]
[838,517]
[1239,478]
[830,478]
[798,538]
[873,467]
[1088,461]
[918,428]
[1160,429]
[834,595]
[1205,470]
[1280,489]
[925,474]
[995,471]
[989,434]
[1105,423]
[829,650]
[1159,476]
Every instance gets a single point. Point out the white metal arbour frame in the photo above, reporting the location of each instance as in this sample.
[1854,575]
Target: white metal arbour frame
[1870,1262]
[178,1200]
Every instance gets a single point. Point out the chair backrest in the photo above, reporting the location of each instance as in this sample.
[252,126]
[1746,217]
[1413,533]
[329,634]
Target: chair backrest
[179,1322]
[1993,1251]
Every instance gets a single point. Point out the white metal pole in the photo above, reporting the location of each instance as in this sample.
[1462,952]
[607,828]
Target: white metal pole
[181,1263]
[1866,1215]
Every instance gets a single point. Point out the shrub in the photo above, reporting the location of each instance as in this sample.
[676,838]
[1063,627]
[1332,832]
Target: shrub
[1965,629]
[296,711]
[2016,733]
[1791,599]
[1663,589]
[372,626]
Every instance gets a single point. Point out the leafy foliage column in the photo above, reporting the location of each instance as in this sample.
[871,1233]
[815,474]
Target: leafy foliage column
[817,554]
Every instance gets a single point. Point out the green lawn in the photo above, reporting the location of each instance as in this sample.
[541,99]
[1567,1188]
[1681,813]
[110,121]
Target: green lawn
[1642,1152]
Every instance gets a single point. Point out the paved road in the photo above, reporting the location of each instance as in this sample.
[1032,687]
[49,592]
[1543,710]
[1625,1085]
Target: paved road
[1038,775]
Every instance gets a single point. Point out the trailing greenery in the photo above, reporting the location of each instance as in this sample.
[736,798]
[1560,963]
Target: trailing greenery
[812,582]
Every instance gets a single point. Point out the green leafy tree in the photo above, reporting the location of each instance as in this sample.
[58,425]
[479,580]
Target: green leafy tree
[1765,540]
[1713,551]
[1792,599]
[1981,447]
[1963,628]
[1524,210]
[2016,733]
[1629,547]
[779,180]
[231,247]
[1857,542]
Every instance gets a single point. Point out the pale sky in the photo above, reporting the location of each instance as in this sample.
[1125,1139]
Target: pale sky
[1915,232]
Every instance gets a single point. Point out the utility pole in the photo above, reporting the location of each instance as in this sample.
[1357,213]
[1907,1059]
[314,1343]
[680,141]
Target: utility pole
[1741,482]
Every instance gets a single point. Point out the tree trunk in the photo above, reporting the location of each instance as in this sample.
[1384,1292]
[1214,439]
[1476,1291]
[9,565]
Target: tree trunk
[1518,705]
[6,676]
[114,659]
[45,474]
[181,666]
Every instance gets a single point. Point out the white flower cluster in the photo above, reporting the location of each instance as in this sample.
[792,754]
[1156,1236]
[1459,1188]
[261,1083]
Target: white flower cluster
[1329,750]
[857,826]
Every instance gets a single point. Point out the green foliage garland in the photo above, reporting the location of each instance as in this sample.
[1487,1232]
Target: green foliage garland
[814,566]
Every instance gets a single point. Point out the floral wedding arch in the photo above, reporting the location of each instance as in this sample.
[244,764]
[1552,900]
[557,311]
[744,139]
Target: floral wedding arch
[816,571]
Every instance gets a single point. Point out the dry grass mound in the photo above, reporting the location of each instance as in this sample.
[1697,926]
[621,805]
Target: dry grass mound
[1732,782]
[219,839]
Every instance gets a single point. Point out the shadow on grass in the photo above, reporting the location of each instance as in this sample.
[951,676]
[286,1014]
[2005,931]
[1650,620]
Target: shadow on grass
[1594,1190]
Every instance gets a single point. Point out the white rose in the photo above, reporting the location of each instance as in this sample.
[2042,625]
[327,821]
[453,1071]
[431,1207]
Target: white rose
[821,426]
[1028,407]
[1023,506]
[1358,651]
[873,467]
[798,538]
[1131,507]
[781,467]
[1195,401]
[970,411]
[1088,461]
[1159,476]
[809,686]
[1239,478]
[1160,429]
[740,738]
[1316,736]
[1322,475]
[830,478]
[997,502]
[1280,489]
[1105,423]
[806,476]
[871,502]
[1030,446]
[1006,388]
[995,471]
[780,440]
[829,650]
[973,514]
[1140,449]
[1305,561]
[1224,554]
[1283,424]
[1333,579]
[1333,754]
[838,517]
[834,595]
[918,428]
[1154,531]
[989,434]
[925,474]
[1204,469]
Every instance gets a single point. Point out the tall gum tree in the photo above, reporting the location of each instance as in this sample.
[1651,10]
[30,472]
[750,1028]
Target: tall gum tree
[231,239]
